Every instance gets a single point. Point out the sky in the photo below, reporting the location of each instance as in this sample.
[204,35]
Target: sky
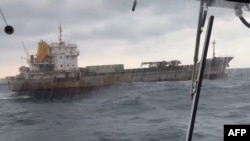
[108,32]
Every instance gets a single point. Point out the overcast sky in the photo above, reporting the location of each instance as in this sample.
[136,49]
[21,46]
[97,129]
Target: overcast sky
[108,32]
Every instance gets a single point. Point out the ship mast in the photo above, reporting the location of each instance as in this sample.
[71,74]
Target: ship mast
[60,34]
[214,48]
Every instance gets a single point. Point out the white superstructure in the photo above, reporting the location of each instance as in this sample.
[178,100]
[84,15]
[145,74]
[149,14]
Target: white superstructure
[64,56]
[57,59]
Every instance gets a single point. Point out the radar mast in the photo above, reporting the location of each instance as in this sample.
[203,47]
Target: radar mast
[60,34]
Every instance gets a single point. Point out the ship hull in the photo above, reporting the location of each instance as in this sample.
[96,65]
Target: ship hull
[215,69]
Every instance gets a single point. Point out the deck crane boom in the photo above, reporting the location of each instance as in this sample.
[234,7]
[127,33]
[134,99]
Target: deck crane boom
[27,53]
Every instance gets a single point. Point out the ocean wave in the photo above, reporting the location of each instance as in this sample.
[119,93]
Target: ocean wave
[152,111]
[12,95]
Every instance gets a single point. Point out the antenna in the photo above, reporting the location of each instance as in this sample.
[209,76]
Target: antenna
[60,34]
[214,48]
[8,28]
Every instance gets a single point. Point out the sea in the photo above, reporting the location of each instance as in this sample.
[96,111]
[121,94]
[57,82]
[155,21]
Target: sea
[153,111]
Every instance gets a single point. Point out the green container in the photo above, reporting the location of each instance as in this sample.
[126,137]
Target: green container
[117,68]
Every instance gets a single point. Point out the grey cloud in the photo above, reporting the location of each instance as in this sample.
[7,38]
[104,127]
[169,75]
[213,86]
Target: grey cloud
[33,20]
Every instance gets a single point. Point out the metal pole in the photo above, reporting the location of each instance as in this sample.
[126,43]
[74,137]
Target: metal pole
[201,20]
[200,75]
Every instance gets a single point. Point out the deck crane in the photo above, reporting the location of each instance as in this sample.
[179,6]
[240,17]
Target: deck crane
[238,6]
[27,53]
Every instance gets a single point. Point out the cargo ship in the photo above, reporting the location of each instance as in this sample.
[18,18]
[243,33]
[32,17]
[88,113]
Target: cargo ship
[55,67]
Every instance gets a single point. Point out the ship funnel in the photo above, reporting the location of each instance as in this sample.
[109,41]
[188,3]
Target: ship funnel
[8,29]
